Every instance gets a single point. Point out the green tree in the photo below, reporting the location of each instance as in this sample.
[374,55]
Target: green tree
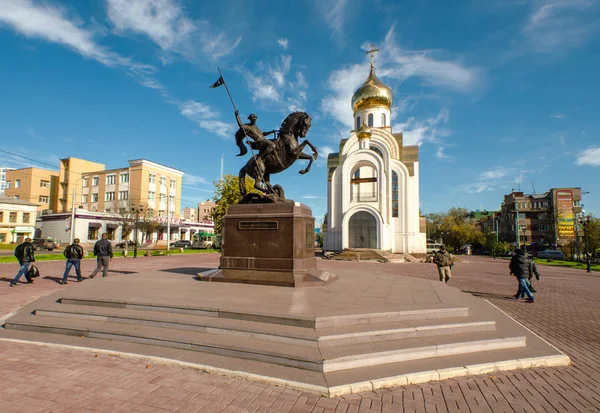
[593,236]
[227,192]
[434,221]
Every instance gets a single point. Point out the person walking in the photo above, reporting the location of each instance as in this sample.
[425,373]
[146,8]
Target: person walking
[444,262]
[74,254]
[520,266]
[103,252]
[25,254]
[531,271]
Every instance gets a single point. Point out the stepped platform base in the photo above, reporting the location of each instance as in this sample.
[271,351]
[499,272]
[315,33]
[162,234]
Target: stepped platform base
[363,332]
[310,278]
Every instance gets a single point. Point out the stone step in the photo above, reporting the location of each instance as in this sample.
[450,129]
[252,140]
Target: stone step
[308,358]
[271,318]
[365,333]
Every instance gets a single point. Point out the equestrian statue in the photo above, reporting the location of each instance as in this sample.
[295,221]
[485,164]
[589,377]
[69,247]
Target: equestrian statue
[274,155]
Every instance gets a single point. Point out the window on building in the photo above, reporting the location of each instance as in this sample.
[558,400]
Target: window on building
[394,194]
[95,181]
[163,197]
[370,119]
[356,174]
[43,199]
[109,196]
[123,195]
[152,178]
[12,218]
[85,182]
[16,197]
[2,238]
[124,178]
[173,184]
[383,120]
[162,213]
[26,217]
[163,181]
[107,210]
[357,122]
[84,199]
[110,179]
[151,196]
[94,197]
[17,183]
[7,185]
[1,216]
[44,184]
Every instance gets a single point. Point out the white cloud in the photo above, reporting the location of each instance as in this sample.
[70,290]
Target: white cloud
[311,197]
[343,83]
[418,131]
[493,178]
[402,64]
[194,180]
[439,153]
[53,24]
[165,23]
[556,25]
[562,140]
[206,118]
[590,156]
[283,43]
[270,84]
[324,152]
[333,13]
[558,116]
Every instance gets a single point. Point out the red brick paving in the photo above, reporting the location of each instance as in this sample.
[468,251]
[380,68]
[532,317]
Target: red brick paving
[43,379]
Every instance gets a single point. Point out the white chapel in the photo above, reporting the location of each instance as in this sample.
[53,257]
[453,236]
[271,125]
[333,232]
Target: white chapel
[373,181]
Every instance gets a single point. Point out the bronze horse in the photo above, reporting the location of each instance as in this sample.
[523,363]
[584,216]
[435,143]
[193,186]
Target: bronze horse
[288,151]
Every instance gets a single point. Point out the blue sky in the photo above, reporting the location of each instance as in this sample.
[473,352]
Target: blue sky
[499,94]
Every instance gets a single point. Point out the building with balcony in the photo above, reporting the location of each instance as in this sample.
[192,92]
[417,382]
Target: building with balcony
[373,181]
[205,210]
[17,219]
[548,219]
[3,171]
[35,185]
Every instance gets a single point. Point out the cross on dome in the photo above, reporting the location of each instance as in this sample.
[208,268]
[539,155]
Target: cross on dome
[372,53]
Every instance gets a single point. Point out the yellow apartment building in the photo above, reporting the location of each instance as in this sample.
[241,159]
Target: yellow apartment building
[34,185]
[71,172]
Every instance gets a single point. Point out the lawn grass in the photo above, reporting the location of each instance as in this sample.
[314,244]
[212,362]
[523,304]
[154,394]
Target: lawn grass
[568,264]
[117,254]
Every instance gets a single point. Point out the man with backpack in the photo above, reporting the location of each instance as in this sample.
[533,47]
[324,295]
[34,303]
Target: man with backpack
[444,262]
[74,254]
[25,254]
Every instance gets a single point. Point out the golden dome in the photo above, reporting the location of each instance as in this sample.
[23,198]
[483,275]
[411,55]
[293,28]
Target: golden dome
[372,93]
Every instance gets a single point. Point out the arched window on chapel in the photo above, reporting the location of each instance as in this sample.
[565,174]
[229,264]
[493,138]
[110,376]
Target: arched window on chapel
[370,119]
[357,122]
[383,120]
[394,194]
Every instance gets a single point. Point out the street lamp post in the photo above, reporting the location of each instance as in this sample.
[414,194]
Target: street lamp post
[585,223]
[72,236]
[135,242]
[168,217]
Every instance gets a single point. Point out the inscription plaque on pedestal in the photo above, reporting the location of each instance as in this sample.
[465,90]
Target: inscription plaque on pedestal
[270,244]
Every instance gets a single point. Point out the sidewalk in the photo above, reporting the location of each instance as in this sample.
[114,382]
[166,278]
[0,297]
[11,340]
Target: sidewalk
[47,379]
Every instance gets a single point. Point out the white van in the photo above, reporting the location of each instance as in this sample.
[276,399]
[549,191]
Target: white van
[554,254]
[433,247]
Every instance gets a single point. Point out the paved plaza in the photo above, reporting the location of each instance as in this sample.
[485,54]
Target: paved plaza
[39,378]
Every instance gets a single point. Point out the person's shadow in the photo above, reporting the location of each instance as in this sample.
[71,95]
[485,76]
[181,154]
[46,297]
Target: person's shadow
[490,295]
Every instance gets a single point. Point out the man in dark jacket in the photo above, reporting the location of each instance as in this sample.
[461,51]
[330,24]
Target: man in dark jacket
[519,267]
[532,270]
[444,262]
[25,254]
[74,254]
[103,252]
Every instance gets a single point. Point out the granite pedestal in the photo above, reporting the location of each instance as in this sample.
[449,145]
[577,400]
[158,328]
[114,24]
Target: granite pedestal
[270,244]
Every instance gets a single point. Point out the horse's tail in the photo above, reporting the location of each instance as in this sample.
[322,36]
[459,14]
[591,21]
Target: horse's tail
[239,141]
[242,180]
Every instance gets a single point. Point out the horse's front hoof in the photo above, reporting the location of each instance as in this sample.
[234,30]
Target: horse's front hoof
[302,172]
[315,156]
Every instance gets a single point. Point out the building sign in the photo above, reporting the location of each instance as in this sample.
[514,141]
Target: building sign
[564,214]
[257,225]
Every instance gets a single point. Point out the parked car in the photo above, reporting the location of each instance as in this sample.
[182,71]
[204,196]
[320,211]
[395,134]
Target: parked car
[43,244]
[182,243]
[554,254]
[130,244]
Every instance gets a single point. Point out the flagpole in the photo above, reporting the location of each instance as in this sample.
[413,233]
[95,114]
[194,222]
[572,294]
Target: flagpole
[235,108]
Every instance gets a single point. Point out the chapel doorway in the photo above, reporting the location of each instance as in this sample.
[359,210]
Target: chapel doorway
[363,230]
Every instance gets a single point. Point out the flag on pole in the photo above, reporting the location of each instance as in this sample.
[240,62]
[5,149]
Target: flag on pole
[218,82]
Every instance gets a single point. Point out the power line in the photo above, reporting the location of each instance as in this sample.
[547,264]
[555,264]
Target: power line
[29,159]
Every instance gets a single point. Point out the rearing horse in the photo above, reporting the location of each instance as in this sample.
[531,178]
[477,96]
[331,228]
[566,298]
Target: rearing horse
[288,149]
